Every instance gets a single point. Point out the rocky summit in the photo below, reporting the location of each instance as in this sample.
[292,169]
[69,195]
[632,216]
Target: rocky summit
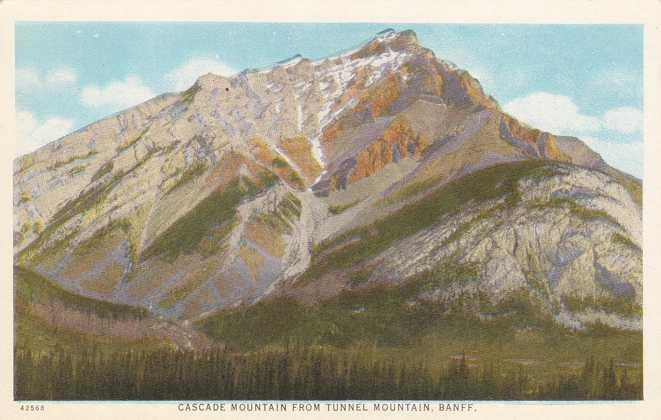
[382,167]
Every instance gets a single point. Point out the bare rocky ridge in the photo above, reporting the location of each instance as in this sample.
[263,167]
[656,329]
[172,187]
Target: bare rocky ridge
[236,190]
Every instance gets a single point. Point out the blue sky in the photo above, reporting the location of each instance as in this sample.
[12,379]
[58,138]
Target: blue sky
[582,80]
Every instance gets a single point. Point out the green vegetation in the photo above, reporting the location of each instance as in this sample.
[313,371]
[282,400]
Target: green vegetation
[631,184]
[359,277]
[180,293]
[296,180]
[33,334]
[151,151]
[212,244]
[301,373]
[100,236]
[24,163]
[293,177]
[103,170]
[76,170]
[287,211]
[622,305]
[466,226]
[362,345]
[133,141]
[85,200]
[400,342]
[189,95]
[342,208]
[582,212]
[395,320]
[278,162]
[32,287]
[59,164]
[24,197]
[618,238]
[25,228]
[185,235]
[292,204]
[492,183]
[575,208]
[533,169]
[37,227]
[170,147]
[267,179]
[189,174]
[443,275]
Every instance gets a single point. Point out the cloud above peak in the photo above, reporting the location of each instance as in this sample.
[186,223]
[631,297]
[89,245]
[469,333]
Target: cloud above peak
[33,133]
[183,77]
[626,120]
[62,76]
[117,94]
[559,114]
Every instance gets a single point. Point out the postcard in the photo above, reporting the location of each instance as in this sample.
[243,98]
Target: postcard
[229,212]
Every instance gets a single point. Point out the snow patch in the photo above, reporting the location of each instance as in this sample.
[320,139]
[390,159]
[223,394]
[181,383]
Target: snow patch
[292,61]
[299,113]
[317,152]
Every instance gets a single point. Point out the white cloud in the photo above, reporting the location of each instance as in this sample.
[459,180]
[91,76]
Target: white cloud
[557,114]
[31,78]
[62,76]
[33,133]
[118,94]
[625,120]
[184,76]
[627,157]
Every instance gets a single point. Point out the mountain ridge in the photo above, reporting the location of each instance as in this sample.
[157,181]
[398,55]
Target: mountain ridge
[221,195]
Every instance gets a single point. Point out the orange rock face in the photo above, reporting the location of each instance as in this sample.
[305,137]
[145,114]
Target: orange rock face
[377,100]
[474,91]
[520,131]
[299,150]
[374,48]
[381,97]
[552,151]
[544,143]
[331,132]
[398,138]
[271,160]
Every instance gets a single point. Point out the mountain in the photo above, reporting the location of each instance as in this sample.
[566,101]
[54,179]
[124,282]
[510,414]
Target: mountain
[382,167]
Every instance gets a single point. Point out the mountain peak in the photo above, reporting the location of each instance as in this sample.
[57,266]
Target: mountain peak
[390,35]
[392,40]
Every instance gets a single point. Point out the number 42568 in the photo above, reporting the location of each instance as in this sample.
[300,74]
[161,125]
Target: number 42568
[32,407]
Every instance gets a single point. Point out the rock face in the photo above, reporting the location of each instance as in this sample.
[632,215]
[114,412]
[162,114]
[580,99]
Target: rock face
[256,185]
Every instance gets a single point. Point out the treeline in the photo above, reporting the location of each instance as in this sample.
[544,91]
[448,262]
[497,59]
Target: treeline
[299,373]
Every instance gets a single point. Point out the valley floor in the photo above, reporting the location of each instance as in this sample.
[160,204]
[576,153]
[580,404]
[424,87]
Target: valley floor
[453,358]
